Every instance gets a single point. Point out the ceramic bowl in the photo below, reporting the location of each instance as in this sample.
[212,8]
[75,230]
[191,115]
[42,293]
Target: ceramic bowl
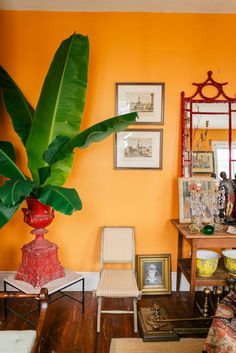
[229,256]
[207,262]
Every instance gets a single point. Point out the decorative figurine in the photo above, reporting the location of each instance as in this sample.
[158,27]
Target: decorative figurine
[195,227]
[217,224]
[228,186]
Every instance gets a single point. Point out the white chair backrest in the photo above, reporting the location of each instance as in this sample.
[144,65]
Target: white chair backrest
[117,245]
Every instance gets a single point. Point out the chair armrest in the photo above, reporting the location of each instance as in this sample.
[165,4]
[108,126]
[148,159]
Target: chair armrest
[17,295]
[42,297]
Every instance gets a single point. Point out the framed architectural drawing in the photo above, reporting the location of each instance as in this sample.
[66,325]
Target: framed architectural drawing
[138,149]
[147,99]
[203,162]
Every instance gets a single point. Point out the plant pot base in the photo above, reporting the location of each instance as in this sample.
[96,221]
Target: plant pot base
[40,263]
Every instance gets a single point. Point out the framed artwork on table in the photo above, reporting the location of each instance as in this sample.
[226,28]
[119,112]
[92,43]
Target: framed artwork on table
[193,184]
[203,162]
[147,99]
[154,276]
[138,149]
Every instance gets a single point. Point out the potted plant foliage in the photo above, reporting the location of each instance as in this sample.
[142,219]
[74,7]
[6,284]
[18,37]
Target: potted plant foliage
[50,133]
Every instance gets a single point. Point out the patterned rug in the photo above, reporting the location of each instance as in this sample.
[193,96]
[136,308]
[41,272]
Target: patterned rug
[136,345]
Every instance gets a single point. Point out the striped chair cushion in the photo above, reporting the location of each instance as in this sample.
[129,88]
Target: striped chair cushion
[117,283]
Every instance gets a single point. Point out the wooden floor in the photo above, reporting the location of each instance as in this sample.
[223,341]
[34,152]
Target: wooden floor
[68,331]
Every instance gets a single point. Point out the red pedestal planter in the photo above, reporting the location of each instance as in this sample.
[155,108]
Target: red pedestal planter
[40,263]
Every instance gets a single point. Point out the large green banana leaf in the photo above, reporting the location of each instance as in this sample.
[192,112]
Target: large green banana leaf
[8,148]
[13,191]
[61,199]
[61,146]
[7,166]
[61,103]
[16,105]
[44,174]
[6,213]
[60,170]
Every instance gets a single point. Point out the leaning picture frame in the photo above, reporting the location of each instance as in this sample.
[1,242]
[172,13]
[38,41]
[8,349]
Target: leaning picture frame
[203,162]
[147,99]
[185,186]
[153,274]
[138,149]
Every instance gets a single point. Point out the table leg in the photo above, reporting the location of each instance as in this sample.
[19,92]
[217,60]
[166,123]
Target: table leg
[5,301]
[193,271]
[179,256]
[83,296]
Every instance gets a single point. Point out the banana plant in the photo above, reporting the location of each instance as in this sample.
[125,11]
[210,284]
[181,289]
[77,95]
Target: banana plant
[51,132]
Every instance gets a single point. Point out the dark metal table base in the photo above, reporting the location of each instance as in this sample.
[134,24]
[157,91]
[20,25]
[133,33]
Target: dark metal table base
[21,287]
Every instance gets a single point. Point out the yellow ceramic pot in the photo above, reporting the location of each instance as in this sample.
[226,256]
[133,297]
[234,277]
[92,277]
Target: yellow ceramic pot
[229,256]
[207,262]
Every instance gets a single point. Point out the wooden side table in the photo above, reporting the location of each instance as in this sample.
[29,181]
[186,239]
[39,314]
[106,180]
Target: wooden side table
[189,265]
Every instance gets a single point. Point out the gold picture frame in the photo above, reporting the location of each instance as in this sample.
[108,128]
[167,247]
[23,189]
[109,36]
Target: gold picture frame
[154,274]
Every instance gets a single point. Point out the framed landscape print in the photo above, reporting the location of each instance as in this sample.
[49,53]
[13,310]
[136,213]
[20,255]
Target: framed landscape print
[153,273]
[138,149]
[203,162]
[147,99]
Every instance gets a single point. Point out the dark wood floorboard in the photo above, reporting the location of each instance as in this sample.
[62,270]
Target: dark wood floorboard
[68,331]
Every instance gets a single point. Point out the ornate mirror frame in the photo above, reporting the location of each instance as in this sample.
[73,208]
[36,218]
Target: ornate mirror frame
[211,103]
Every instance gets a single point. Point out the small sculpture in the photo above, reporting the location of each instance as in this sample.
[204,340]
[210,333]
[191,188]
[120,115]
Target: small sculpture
[217,224]
[228,186]
[195,226]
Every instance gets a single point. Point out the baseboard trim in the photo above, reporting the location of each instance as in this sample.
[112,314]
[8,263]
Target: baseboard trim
[92,278]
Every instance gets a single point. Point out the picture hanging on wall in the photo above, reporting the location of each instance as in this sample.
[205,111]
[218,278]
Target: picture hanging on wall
[147,99]
[138,149]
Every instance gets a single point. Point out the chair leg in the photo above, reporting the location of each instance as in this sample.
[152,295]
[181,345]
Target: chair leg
[99,313]
[135,315]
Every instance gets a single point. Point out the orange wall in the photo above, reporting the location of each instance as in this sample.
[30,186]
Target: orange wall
[134,47]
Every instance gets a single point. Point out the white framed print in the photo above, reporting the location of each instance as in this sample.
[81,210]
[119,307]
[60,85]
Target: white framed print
[139,149]
[147,99]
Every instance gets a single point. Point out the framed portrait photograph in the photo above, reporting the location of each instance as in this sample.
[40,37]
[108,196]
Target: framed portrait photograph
[138,149]
[203,162]
[147,99]
[153,273]
[186,185]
